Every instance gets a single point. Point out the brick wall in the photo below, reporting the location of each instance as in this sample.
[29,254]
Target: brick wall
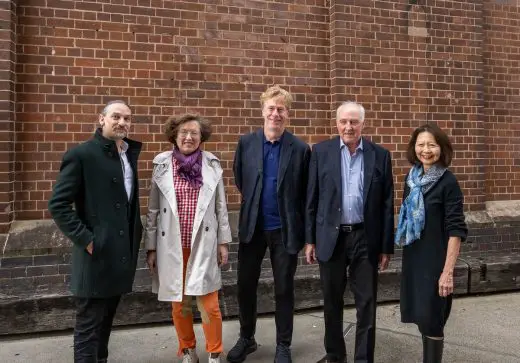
[502,98]
[445,62]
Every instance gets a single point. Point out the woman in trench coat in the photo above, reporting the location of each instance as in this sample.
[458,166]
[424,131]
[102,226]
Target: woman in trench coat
[187,233]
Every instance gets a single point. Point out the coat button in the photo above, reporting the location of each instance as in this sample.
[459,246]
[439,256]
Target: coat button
[207,228]
[164,210]
[110,154]
[162,233]
[118,205]
[114,180]
[121,233]
[337,227]
[123,260]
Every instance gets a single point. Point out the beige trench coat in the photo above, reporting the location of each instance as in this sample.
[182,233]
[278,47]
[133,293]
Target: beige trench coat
[162,231]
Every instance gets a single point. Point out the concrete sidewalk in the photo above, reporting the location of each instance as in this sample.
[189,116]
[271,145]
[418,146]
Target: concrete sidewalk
[482,329]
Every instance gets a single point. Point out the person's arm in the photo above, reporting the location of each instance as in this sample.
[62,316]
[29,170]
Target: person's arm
[150,229]
[388,208]
[457,232]
[311,203]
[224,231]
[66,190]
[387,246]
[237,165]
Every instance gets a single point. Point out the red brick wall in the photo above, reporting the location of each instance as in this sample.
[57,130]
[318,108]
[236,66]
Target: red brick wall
[406,64]
[7,97]
[502,99]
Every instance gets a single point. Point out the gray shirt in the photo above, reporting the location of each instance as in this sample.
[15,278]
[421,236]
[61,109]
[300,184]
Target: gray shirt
[352,167]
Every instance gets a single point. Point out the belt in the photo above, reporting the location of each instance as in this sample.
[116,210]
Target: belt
[347,228]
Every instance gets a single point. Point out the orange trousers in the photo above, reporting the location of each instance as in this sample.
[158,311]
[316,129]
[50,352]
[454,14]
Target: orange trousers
[210,313]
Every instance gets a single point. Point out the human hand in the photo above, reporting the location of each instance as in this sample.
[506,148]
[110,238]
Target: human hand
[90,248]
[223,253]
[151,260]
[384,260]
[310,253]
[446,283]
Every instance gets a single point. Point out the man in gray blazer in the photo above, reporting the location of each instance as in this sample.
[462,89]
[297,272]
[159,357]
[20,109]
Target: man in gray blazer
[270,168]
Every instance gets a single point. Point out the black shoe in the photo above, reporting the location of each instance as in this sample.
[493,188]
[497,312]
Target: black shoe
[242,348]
[328,359]
[283,354]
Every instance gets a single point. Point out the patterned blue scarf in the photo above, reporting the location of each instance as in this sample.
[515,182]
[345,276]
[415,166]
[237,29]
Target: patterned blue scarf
[411,215]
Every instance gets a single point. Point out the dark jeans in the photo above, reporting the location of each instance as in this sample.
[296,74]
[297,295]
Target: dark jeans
[250,256]
[92,331]
[351,250]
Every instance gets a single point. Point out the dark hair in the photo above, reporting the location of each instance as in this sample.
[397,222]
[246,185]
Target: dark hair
[171,128]
[113,102]
[440,137]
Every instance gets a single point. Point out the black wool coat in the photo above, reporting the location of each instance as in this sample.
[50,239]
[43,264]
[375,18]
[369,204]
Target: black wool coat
[90,204]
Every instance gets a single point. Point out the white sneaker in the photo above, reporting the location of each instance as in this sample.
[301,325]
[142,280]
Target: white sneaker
[213,360]
[190,356]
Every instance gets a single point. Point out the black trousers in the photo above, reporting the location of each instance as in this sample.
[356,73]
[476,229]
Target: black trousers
[93,326]
[250,257]
[351,250]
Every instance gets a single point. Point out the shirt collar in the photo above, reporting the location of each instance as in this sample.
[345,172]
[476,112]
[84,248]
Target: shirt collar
[274,142]
[359,147]
[124,146]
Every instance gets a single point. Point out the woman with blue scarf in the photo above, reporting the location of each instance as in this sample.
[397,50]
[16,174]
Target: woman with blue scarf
[431,228]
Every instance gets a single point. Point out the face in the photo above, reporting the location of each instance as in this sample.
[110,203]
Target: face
[275,115]
[427,150]
[115,124]
[349,124]
[188,137]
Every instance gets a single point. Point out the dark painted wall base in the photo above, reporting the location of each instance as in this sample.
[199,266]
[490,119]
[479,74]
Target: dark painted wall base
[494,273]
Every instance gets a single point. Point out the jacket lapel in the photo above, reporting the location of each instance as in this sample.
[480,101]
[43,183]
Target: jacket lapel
[369,159]
[335,152]
[211,174]
[163,176]
[259,152]
[285,157]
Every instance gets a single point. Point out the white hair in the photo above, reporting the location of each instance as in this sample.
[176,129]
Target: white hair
[352,103]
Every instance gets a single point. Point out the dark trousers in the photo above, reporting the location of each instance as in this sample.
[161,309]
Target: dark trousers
[250,257]
[93,326]
[351,250]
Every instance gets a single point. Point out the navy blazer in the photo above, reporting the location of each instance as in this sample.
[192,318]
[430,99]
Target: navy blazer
[323,211]
[291,186]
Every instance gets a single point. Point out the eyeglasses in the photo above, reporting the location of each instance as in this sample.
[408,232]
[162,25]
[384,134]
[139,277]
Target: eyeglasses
[185,133]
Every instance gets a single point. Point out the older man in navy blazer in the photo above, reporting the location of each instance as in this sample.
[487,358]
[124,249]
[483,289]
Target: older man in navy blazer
[350,223]
[271,169]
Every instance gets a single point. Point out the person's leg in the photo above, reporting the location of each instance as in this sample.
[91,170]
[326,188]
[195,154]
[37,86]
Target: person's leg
[433,332]
[211,321]
[106,327]
[182,314]
[333,279]
[284,268]
[250,256]
[363,284]
[89,318]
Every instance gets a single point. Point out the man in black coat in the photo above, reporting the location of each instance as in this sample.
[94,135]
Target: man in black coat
[270,168]
[350,222]
[99,177]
